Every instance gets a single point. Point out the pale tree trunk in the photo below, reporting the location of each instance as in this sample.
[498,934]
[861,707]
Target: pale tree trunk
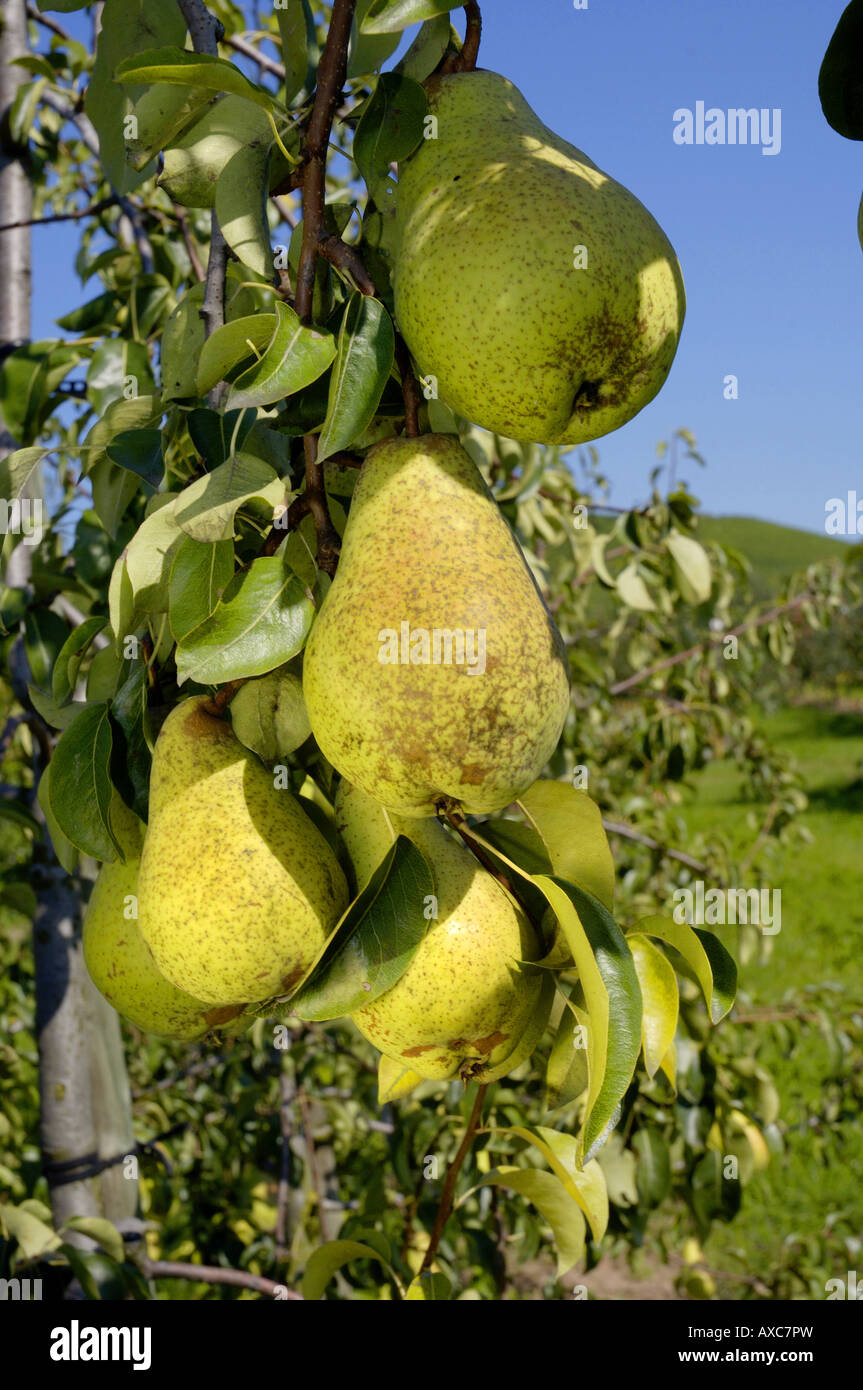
[85,1105]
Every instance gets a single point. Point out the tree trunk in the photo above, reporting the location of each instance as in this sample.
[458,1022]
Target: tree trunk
[84,1091]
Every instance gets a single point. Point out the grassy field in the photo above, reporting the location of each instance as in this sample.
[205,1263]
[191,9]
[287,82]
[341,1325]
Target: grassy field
[802,1218]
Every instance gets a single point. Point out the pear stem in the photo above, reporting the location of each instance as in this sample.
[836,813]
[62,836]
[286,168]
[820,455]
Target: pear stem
[218,703]
[410,390]
[466,60]
[448,1194]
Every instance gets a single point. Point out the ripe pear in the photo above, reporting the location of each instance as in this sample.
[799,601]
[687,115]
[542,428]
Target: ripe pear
[238,889]
[434,669]
[463,1006]
[539,293]
[120,965]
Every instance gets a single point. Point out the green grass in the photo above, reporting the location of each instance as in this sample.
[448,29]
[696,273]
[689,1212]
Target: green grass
[802,1217]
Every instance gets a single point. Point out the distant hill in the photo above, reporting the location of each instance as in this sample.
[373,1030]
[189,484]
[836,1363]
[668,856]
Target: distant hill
[775,552]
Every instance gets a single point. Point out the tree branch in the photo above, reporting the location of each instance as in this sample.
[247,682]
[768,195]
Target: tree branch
[214,1274]
[331,76]
[91,211]
[675,660]
[626,832]
[48,23]
[410,389]
[448,1194]
[248,50]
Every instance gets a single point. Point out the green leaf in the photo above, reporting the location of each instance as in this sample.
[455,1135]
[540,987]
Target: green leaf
[242,190]
[193,70]
[140,412]
[299,46]
[691,568]
[570,825]
[390,127]
[611,991]
[127,27]
[199,576]
[232,344]
[633,590]
[19,815]
[113,490]
[262,621]
[21,473]
[44,635]
[375,941]
[620,1172]
[183,345]
[566,1075]
[363,364]
[554,1203]
[34,1237]
[660,1000]
[711,964]
[205,510]
[147,566]
[139,452]
[840,81]
[653,1174]
[71,655]
[112,365]
[67,854]
[80,785]
[427,49]
[130,757]
[585,1185]
[327,1259]
[368,52]
[103,1232]
[294,357]
[391,16]
[161,113]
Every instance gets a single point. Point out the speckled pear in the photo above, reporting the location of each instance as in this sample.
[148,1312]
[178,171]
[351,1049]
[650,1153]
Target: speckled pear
[540,294]
[463,1006]
[434,669]
[238,889]
[120,964]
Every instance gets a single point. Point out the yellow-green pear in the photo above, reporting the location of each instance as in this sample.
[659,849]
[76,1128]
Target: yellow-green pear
[238,889]
[193,162]
[434,669]
[464,1004]
[542,297]
[120,964]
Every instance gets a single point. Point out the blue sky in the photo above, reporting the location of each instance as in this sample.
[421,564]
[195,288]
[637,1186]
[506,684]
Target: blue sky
[768,244]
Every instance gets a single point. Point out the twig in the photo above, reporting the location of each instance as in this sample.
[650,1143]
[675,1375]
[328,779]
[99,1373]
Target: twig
[331,76]
[675,660]
[466,60]
[346,259]
[204,28]
[48,23]
[218,703]
[446,1201]
[312,1159]
[249,51]
[189,243]
[626,832]
[410,389]
[286,1127]
[214,1274]
[62,216]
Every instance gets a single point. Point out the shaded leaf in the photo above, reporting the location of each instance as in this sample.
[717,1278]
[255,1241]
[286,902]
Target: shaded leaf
[80,785]
[363,364]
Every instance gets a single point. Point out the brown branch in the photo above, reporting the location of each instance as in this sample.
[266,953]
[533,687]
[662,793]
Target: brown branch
[626,832]
[347,261]
[191,248]
[214,1274]
[675,660]
[62,216]
[467,59]
[410,389]
[248,50]
[48,23]
[446,1201]
[331,77]
[218,703]
[286,1127]
[312,1159]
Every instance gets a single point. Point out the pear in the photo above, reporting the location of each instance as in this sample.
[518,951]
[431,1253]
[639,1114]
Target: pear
[433,669]
[464,1005]
[492,293]
[119,962]
[238,889]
